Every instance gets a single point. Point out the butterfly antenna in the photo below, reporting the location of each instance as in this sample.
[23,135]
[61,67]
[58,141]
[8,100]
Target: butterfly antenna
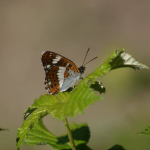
[86,55]
[90,60]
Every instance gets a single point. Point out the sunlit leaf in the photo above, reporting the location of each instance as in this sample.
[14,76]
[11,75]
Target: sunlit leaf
[44,102]
[75,104]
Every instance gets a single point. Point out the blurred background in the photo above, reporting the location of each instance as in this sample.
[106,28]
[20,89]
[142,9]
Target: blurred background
[29,27]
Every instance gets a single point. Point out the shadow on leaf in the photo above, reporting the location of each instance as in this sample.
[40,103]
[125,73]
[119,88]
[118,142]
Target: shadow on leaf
[97,86]
[79,134]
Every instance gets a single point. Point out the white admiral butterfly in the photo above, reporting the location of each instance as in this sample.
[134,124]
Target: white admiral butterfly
[60,72]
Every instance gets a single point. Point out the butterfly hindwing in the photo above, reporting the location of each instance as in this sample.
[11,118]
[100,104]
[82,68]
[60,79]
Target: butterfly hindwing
[54,79]
[57,70]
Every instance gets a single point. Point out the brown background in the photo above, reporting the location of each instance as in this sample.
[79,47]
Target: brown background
[29,27]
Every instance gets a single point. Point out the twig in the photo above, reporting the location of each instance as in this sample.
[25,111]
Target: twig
[69,134]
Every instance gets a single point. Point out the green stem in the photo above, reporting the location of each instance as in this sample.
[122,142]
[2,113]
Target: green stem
[69,134]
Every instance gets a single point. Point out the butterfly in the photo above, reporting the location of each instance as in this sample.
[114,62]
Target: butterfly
[60,72]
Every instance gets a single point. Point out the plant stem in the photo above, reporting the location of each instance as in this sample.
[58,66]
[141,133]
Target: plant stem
[69,134]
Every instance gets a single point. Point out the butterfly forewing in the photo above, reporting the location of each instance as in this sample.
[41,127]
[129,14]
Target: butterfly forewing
[57,69]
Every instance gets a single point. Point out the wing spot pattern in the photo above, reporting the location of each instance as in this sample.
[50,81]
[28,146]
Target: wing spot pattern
[56,59]
[57,69]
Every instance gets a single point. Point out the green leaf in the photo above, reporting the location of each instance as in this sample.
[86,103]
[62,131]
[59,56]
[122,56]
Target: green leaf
[75,103]
[145,132]
[126,60]
[69,108]
[83,147]
[80,133]
[44,102]
[117,147]
[40,135]
[29,124]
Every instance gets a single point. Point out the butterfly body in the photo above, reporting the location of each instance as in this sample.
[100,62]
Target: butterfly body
[60,72]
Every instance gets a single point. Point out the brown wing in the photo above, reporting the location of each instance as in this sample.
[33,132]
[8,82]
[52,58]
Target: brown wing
[51,81]
[56,70]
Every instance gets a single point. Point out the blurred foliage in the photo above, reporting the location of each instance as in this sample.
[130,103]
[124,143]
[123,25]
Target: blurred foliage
[117,147]
[2,129]
[145,132]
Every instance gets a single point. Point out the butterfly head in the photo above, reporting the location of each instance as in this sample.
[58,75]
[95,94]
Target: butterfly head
[81,69]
